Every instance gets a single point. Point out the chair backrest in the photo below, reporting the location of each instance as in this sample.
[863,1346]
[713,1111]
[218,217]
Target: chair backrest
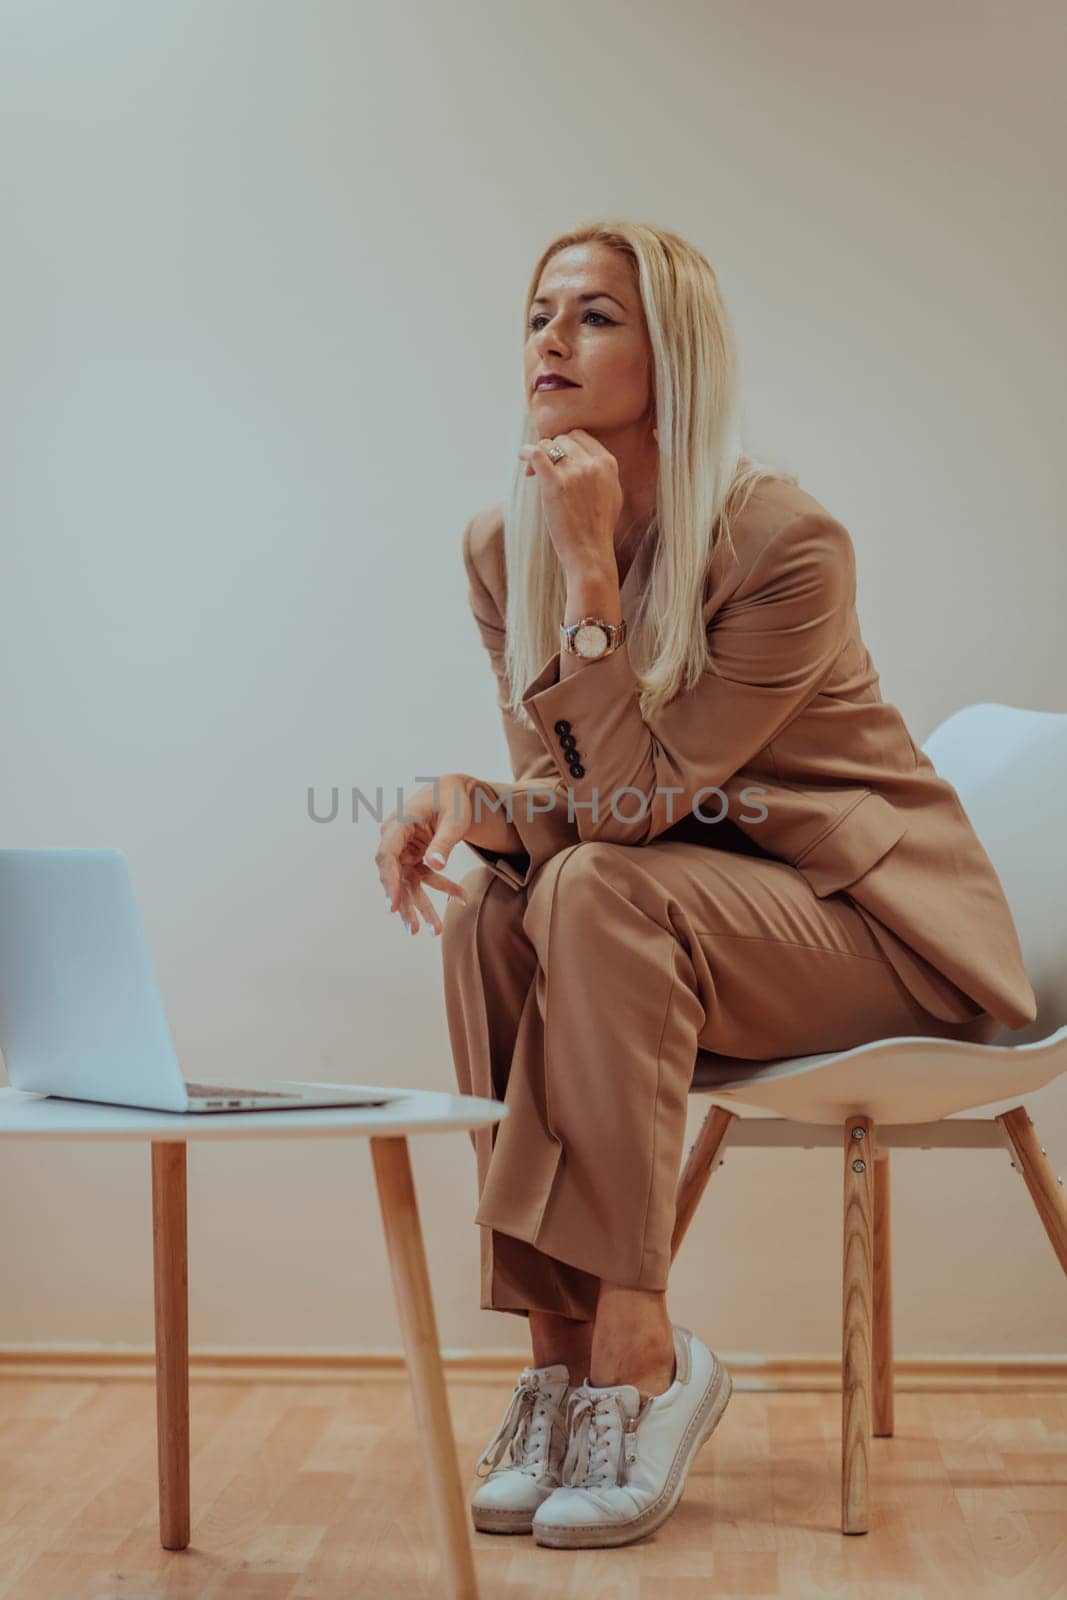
[1009,767]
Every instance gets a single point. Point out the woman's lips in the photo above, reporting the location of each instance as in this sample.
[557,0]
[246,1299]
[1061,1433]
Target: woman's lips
[553,383]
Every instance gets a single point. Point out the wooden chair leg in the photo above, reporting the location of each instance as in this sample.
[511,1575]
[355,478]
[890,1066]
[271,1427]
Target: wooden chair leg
[857,1317]
[882,1347]
[414,1302]
[1046,1190]
[170,1261]
[698,1168]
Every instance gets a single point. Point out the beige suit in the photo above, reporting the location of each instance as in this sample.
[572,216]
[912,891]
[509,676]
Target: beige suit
[844,897]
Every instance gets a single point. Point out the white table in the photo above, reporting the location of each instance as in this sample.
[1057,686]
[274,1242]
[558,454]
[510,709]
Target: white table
[31,1116]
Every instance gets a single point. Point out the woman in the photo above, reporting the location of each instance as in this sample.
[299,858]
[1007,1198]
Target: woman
[719,837]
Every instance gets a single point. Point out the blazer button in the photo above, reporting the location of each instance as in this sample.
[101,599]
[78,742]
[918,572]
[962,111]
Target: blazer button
[568,741]
[562,726]
[577,770]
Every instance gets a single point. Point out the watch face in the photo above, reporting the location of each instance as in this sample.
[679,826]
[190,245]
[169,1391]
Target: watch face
[590,641]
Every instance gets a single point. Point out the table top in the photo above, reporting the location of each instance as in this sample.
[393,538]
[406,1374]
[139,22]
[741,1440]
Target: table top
[36,1116]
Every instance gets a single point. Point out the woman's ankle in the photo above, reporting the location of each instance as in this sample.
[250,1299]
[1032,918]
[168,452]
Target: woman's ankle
[561,1339]
[633,1340]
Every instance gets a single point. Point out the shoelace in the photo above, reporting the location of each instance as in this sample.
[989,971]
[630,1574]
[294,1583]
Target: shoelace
[523,1426]
[602,1440]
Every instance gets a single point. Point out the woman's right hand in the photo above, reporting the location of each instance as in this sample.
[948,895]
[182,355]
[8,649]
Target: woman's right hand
[431,822]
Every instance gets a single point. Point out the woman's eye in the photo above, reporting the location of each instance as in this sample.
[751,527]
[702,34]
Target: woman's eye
[539,317]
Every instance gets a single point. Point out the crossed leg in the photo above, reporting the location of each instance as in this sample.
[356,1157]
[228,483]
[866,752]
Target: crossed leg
[581,1001]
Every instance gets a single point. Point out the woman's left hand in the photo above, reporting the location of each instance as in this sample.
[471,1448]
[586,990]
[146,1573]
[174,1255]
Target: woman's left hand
[582,498]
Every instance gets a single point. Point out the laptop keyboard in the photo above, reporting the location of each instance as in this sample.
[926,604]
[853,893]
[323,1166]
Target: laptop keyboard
[212,1089]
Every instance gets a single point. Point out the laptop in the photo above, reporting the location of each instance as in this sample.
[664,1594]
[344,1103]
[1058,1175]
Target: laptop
[81,1015]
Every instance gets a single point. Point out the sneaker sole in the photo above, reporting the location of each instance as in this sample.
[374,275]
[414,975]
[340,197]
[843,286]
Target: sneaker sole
[498,1519]
[598,1534]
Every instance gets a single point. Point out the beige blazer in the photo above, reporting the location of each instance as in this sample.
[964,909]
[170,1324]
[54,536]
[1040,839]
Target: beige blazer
[789,722]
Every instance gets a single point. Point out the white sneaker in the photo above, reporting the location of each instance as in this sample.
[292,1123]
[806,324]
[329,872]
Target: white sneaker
[535,1429]
[626,1462]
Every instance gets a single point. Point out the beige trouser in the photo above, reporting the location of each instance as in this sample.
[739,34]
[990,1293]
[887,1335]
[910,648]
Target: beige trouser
[581,1001]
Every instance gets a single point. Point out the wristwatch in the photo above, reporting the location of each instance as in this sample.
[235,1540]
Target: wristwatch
[591,637]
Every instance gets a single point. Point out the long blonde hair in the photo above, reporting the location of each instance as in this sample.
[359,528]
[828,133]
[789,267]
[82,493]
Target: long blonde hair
[704,478]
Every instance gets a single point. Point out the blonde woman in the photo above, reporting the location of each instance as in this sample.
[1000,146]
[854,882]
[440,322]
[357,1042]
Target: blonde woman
[718,836]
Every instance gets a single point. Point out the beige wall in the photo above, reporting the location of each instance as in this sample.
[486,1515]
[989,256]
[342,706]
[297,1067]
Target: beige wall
[263,269]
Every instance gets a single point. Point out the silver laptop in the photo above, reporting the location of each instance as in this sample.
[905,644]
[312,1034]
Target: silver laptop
[81,1016]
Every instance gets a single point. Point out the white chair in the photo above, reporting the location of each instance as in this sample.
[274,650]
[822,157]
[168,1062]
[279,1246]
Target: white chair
[1009,767]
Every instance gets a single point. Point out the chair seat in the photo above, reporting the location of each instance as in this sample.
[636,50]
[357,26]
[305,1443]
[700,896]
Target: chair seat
[905,1079]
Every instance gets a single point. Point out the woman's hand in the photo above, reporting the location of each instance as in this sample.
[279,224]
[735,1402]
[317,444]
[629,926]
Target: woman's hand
[432,823]
[581,497]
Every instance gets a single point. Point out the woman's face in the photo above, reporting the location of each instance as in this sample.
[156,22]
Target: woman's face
[587,324]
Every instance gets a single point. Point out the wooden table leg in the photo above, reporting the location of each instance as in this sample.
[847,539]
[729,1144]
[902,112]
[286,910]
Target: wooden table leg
[411,1286]
[170,1257]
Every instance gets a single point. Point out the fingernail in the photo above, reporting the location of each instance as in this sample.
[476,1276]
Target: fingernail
[434,856]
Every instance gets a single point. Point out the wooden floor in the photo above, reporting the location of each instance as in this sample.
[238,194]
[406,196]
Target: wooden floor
[315,1492]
